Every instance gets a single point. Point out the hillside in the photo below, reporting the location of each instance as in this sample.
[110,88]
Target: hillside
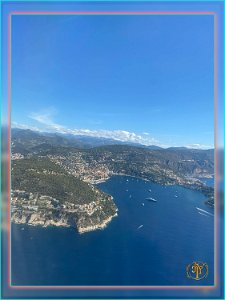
[46,172]
[44,194]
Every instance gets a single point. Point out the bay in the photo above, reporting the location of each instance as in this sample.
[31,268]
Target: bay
[148,243]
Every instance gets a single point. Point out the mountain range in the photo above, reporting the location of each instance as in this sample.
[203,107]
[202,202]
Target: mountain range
[26,139]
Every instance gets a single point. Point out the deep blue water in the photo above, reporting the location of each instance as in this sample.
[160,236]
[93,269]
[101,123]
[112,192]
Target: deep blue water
[173,235]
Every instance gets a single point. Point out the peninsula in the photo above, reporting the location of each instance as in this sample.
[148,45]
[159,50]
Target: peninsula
[53,182]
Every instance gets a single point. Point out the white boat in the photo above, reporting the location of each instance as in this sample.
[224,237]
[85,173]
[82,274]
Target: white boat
[204,211]
[151,199]
[140,226]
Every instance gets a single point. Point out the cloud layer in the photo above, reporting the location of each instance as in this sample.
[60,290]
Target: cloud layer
[199,146]
[48,125]
[118,135]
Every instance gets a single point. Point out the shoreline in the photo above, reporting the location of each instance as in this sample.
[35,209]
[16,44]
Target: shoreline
[101,226]
[195,179]
[80,230]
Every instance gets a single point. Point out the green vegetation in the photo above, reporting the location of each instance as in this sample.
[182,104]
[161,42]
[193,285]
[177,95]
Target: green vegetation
[49,161]
[40,175]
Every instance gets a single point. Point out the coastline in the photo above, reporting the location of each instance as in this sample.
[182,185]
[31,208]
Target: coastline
[82,252]
[80,229]
[101,226]
[78,225]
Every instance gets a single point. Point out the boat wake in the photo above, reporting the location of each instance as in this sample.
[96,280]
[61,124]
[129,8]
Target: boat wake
[203,214]
[204,211]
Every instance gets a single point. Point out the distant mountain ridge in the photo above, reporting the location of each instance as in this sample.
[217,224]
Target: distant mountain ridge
[188,162]
[26,139]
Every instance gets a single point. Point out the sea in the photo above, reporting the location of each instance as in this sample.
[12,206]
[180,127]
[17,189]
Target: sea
[148,243]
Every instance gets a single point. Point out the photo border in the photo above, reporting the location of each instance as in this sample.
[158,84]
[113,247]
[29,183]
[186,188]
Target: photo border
[216,75]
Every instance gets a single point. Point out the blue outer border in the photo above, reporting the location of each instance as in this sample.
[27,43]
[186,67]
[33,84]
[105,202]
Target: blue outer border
[90,1]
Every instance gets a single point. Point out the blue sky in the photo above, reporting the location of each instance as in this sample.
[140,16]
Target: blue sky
[147,79]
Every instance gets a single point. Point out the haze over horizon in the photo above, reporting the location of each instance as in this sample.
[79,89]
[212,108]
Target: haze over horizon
[118,135]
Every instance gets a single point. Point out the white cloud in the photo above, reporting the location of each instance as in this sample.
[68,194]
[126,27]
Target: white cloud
[48,125]
[23,126]
[118,135]
[200,146]
[46,119]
